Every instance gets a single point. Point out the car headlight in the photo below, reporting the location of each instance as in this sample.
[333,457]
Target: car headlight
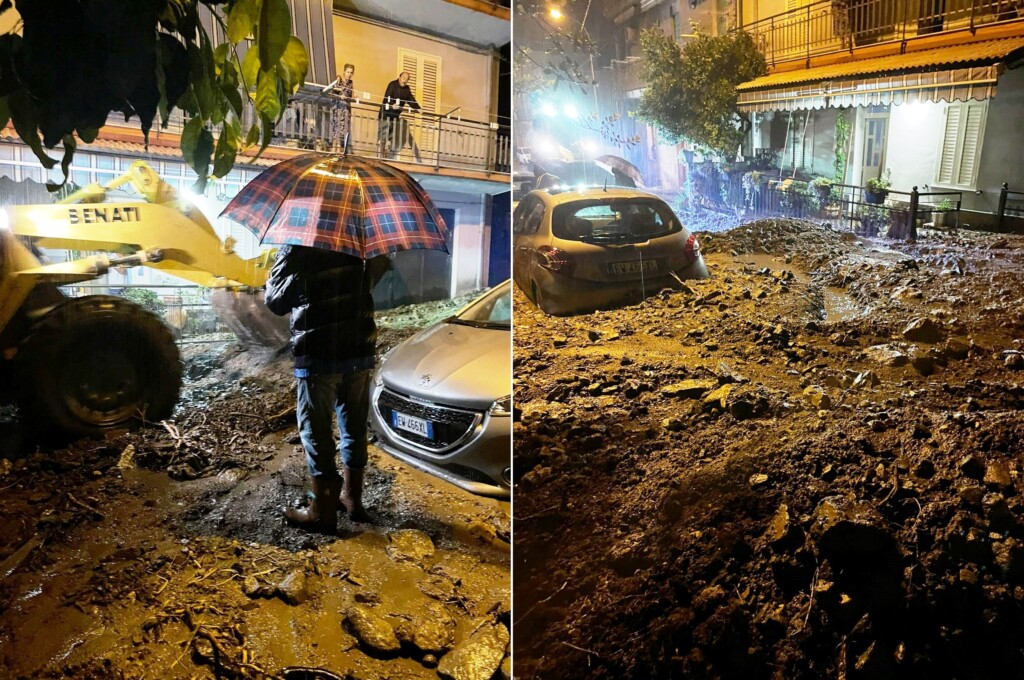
[502,407]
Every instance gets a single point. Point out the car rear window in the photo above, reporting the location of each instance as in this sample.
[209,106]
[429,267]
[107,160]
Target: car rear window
[614,220]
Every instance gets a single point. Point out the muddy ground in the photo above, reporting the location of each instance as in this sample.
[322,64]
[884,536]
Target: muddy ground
[162,553]
[807,466]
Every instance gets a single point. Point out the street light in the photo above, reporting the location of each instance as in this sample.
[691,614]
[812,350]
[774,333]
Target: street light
[555,13]
[570,111]
[548,109]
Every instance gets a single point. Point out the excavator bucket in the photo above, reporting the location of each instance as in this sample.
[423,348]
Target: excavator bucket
[249,319]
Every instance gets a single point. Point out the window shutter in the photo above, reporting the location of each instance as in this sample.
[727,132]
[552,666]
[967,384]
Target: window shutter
[975,119]
[947,159]
[425,81]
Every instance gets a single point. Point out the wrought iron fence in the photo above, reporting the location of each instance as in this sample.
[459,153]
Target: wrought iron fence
[1011,204]
[437,140]
[834,25]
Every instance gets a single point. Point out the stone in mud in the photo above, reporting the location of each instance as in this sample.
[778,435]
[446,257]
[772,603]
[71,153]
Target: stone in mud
[779,528]
[434,630]
[887,356]
[923,363]
[817,397]
[478,657]
[956,349]
[410,545]
[372,631]
[972,466]
[997,474]
[718,398]
[251,586]
[1009,557]
[293,589]
[688,389]
[848,532]
[1014,361]
[923,330]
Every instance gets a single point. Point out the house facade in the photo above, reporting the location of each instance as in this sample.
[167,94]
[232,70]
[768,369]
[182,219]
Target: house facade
[930,93]
[456,53]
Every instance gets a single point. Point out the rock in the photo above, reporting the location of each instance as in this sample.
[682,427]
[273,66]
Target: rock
[293,588]
[924,363]
[1014,361]
[758,479]
[674,424]
[972,495]
[506,668]
[972,466]
[956,349]
[429,660]
[410,545]
[925,469]
[560,341]
[717,398]
[779,527]
[923,330]
[817,397]
[688,389]
[851,533]
[478,657]
[372,631]
[1009,557]
[887,356]
[593,335]
[253,588]
[434,631]
[997,474]
[127,459]
[921,432]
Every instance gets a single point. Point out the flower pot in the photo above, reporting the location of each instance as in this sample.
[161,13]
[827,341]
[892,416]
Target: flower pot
[875,197]
[939,220]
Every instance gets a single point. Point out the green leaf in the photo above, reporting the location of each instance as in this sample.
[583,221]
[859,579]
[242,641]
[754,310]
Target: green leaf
[268,102]
[233,97]
[227,148]
[88,135]
[190,139]
[268,134]
[220,56]
[202,157]
[250,68]
[23,116]
[254,135]
[274,30]
[294,65]
[70,145]
[242,19]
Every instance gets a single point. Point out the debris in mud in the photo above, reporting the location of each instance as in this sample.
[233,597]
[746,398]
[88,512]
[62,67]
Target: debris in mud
[372,631]
[294,588]
[410,545]
[478,657]
[850,510]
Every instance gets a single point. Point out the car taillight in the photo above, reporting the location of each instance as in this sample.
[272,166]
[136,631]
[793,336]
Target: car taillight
[692,248]
[556,260]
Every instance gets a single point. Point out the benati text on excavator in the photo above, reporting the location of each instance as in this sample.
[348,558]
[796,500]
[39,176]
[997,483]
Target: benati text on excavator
[82,365]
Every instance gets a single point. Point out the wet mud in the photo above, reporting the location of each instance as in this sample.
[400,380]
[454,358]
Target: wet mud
[163,553]
[807,466]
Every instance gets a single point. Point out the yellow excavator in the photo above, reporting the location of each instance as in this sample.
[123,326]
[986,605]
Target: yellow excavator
[82,365]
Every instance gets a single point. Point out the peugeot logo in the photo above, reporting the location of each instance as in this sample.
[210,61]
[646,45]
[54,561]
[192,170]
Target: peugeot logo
[425,379]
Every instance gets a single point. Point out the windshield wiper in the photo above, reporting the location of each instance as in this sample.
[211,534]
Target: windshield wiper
[477,324]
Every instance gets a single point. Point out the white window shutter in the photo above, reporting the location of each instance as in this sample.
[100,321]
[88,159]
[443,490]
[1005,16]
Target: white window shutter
[971,147]
[950,138]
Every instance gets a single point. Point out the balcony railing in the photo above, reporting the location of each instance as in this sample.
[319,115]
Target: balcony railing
[830,26]
[439,141]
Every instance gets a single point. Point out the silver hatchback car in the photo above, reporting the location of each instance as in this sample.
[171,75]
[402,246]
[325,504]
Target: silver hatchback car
[576,251]
[441,401]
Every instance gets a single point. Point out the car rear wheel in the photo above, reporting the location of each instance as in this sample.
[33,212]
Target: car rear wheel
[97,363]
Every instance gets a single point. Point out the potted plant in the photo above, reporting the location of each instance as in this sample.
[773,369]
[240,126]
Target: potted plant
[939,213]
[873,220]
[877,188]
[822,186]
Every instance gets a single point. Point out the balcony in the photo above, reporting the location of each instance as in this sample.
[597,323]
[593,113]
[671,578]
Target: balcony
[444,141]
[829,26]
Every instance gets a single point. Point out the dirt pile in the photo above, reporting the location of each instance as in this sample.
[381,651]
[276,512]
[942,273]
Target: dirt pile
[781,472]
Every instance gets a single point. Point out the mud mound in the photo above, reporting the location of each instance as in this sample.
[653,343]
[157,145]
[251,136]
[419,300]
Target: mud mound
[777,236]
[735,481]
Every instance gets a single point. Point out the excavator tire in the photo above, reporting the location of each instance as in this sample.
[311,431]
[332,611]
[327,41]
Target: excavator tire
[94,364]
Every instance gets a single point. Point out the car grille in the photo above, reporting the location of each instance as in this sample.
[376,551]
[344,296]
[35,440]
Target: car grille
[450,425]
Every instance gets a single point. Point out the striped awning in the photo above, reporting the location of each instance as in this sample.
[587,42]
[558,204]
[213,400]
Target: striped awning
[951,73]
[934,86]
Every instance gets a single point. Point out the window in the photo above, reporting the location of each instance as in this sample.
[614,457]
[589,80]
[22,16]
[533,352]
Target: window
[424,77]
[528,215]
[960,149]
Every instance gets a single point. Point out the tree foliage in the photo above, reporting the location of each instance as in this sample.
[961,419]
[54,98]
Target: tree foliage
[69,64]
[691,92]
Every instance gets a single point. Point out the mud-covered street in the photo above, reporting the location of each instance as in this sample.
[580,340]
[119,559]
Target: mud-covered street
[163,552]
[807,466]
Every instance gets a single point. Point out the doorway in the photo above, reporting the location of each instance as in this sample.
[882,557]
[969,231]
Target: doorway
[876,131]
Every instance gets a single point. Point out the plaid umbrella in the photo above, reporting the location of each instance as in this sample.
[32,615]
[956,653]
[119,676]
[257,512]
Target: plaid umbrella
[344,203]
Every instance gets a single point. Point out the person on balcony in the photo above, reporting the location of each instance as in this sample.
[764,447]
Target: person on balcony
[393,134]
[341,120]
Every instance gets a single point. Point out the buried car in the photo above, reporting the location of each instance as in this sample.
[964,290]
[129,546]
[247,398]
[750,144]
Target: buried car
[576,251]
[441,400]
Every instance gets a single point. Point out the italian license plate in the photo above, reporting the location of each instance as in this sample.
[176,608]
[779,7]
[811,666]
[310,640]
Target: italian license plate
[633,267]
[402,421]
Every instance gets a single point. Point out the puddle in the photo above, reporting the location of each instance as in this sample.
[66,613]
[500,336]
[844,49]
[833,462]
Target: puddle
[840,306]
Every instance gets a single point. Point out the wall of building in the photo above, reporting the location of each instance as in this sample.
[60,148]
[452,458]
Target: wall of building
[470,239]
[1002,158]
[466,75]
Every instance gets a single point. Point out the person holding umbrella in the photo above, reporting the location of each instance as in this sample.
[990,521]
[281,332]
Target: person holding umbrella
[336,218]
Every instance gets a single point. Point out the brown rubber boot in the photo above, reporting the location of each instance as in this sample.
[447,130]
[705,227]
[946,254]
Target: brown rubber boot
[352,495]
[321,515]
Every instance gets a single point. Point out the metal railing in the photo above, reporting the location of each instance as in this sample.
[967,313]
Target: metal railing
[828,26]
[1011,204]
[439,140]
[895,214]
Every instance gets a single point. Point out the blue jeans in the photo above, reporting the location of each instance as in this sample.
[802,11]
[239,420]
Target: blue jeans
[347,397]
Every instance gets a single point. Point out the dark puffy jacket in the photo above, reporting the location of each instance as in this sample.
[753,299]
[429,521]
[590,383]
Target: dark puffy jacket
[330,297]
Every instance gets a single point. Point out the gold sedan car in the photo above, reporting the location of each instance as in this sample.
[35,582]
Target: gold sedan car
[577,251]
